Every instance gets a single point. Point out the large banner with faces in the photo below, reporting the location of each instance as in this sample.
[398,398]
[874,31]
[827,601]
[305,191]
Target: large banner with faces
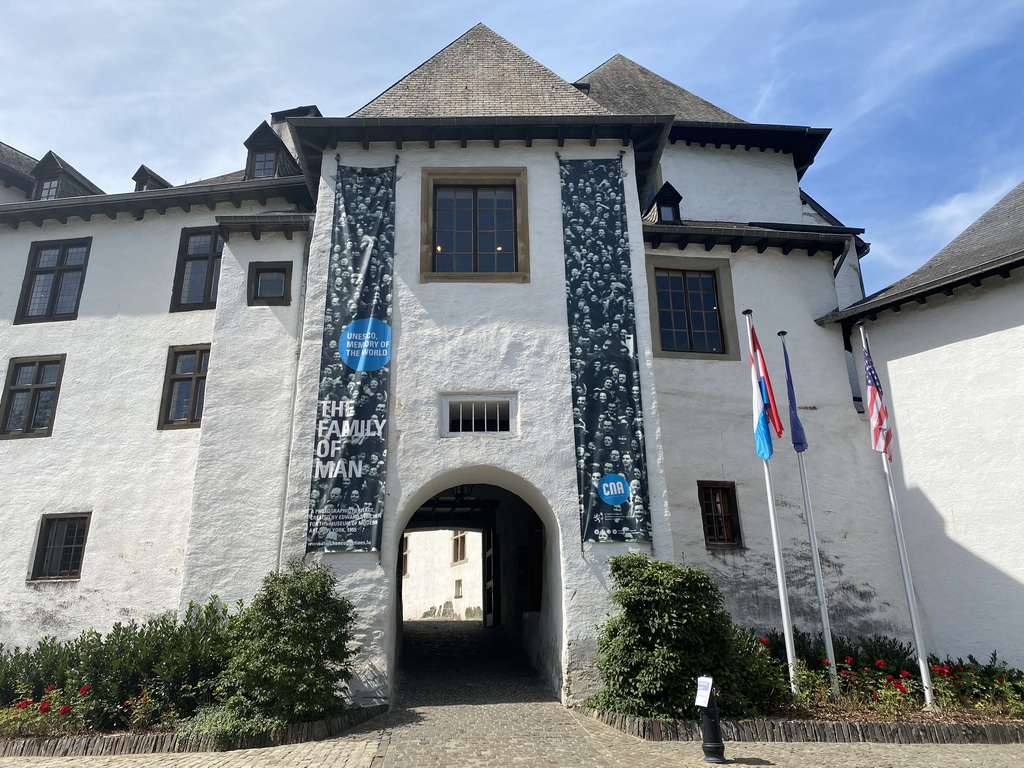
[607,411]
[346,500]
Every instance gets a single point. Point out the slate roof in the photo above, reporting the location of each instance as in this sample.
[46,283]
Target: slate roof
[626,88]
[992,245]
[16,159]
[480,74]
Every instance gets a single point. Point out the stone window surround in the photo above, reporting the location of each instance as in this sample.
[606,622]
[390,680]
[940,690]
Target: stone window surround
[726,304]
[476,176]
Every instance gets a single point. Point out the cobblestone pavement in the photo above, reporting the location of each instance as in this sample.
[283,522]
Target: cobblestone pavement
[484,706]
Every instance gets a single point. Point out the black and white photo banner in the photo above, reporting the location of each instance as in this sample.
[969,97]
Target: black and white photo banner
[346,500]
[611,464]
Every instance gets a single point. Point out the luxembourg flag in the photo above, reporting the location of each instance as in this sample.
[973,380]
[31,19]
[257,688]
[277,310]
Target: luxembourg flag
[765,410]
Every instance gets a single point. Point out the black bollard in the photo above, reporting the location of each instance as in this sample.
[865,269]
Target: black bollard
[714,749]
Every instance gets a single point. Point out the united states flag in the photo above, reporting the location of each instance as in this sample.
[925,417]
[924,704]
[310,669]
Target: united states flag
[881,436]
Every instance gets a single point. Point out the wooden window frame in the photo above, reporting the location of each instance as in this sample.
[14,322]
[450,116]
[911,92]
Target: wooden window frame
[459,548]
[726,307]
[732,536]
[45,553]
[673,210]
[41,187]
[170,378]
[458,590]
[250,170]
[432,178]
[257,268]
[213,260]
[33,389]
[59,270]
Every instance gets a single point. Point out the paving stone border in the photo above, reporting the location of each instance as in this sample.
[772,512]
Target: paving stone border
[147,743]
[815,730]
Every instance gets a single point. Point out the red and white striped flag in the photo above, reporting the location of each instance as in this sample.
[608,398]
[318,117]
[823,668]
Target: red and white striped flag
[881,436]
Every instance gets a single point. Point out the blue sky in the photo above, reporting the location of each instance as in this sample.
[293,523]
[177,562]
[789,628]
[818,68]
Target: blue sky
[925,97]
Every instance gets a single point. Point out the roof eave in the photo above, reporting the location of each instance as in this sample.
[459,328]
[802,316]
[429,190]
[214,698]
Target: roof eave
[801,141]
[919,294]
[736,237]
[62,209]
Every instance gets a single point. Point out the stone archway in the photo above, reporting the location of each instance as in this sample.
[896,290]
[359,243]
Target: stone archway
[520,580]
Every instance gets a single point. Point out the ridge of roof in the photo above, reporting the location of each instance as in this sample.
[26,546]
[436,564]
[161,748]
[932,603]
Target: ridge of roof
[994,242]
[480,73]
[625,87]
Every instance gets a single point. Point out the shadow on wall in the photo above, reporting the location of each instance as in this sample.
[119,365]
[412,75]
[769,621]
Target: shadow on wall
[967,605]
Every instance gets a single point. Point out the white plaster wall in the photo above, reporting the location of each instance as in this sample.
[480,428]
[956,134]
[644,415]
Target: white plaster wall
[430,582]
[238,498]
[106,455]
[12,195]
[735,185]
[707,435]
[952,376]
[473,337]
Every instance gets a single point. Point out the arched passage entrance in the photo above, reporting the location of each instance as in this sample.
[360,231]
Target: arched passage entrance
[519,584]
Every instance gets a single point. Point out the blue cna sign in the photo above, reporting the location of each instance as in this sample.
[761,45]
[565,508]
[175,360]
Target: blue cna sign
[613,489]
[365,344]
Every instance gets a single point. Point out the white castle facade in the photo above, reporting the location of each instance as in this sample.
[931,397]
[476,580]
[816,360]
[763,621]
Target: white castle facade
[463,308]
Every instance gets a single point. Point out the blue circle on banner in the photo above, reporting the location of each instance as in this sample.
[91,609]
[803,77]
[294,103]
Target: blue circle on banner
[613,489]
[365,344]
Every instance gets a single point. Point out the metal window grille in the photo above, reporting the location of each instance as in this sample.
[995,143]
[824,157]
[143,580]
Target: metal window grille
[61,546]
[479,416]
[720,515]
[688,314]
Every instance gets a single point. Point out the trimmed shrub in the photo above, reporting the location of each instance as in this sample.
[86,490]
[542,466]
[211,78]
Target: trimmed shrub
[671,629]
[291,648]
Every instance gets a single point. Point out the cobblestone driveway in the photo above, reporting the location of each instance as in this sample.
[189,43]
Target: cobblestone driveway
[481,708]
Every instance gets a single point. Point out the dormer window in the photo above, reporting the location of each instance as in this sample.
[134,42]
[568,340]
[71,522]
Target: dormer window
[48,189]
[263,164]
[664,207]
[668,213]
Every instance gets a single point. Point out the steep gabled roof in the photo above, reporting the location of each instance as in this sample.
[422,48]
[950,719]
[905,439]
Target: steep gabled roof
[992,245]
[480,74]
[147,179]
[625,88]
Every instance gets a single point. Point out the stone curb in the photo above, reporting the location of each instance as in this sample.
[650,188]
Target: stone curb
[147,743]
[815,730]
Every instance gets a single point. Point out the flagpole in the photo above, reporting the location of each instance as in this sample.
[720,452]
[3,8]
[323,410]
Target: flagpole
[819,582]
[908,582]
[780,572]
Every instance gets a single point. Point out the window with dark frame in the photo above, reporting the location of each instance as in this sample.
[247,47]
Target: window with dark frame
[719,514]
[458,589]
[270,283]
[668,213]
[263,164]
[405,556]
[198,271]
[458,547]
[30,396]
[60,547]
[48,189]
[54,277]
[688,314]
[474,229]
[184,387]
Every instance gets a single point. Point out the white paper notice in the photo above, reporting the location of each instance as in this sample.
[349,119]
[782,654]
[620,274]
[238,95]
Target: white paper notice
[703,691]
